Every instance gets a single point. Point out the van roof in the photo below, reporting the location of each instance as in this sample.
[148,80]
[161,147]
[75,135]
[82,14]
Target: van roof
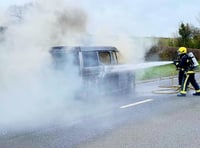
[82,48]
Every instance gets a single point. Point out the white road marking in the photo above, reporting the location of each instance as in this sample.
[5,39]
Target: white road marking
[136,103]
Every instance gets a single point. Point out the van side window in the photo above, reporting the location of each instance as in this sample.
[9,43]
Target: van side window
[64,59]
[120,58]
[90,58]
[105,57]
[114,57]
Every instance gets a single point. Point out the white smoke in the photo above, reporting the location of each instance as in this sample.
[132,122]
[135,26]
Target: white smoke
[132,49]
[31,93]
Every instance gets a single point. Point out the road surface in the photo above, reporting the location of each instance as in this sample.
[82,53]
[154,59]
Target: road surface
[144,119]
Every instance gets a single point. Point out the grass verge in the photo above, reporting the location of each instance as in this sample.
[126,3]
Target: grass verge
[156,72]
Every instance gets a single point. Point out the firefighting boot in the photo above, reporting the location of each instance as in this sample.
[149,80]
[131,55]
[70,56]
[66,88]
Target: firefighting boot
[181,95]
[197,93]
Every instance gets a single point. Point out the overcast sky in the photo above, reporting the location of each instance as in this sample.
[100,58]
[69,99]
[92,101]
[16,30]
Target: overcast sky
[159,18]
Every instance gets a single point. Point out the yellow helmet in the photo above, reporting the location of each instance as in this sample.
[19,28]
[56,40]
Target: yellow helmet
[182,50]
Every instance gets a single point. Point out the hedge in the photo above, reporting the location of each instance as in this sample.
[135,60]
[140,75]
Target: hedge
[161,53]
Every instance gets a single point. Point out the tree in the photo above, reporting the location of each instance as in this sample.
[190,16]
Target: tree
[195,37]
[186,34]
[17,12]
[2,33]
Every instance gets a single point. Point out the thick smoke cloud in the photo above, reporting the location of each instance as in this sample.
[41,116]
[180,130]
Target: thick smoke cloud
[31,93]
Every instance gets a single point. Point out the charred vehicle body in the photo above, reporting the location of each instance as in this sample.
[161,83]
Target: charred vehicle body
[98,68]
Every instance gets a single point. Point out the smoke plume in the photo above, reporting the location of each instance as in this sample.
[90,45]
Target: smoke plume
[31,93]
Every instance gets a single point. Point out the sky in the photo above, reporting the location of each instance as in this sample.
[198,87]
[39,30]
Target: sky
[159,18]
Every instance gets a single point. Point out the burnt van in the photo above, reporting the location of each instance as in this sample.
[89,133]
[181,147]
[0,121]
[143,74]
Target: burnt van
[97,66]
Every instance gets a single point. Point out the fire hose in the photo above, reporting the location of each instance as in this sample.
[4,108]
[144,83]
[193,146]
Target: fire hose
[167,90]
[173,89]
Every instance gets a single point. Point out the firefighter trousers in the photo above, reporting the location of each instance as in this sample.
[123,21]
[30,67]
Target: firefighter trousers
[181,75]
[189,78]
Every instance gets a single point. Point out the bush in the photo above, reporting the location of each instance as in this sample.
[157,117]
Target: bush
[161,53]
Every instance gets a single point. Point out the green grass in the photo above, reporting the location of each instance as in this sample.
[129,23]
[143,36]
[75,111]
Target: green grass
[156,72]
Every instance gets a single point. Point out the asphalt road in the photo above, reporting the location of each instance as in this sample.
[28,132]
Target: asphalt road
[144,119]
[163,121]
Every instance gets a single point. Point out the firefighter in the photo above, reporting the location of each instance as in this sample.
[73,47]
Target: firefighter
[187,65]
[181,72]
